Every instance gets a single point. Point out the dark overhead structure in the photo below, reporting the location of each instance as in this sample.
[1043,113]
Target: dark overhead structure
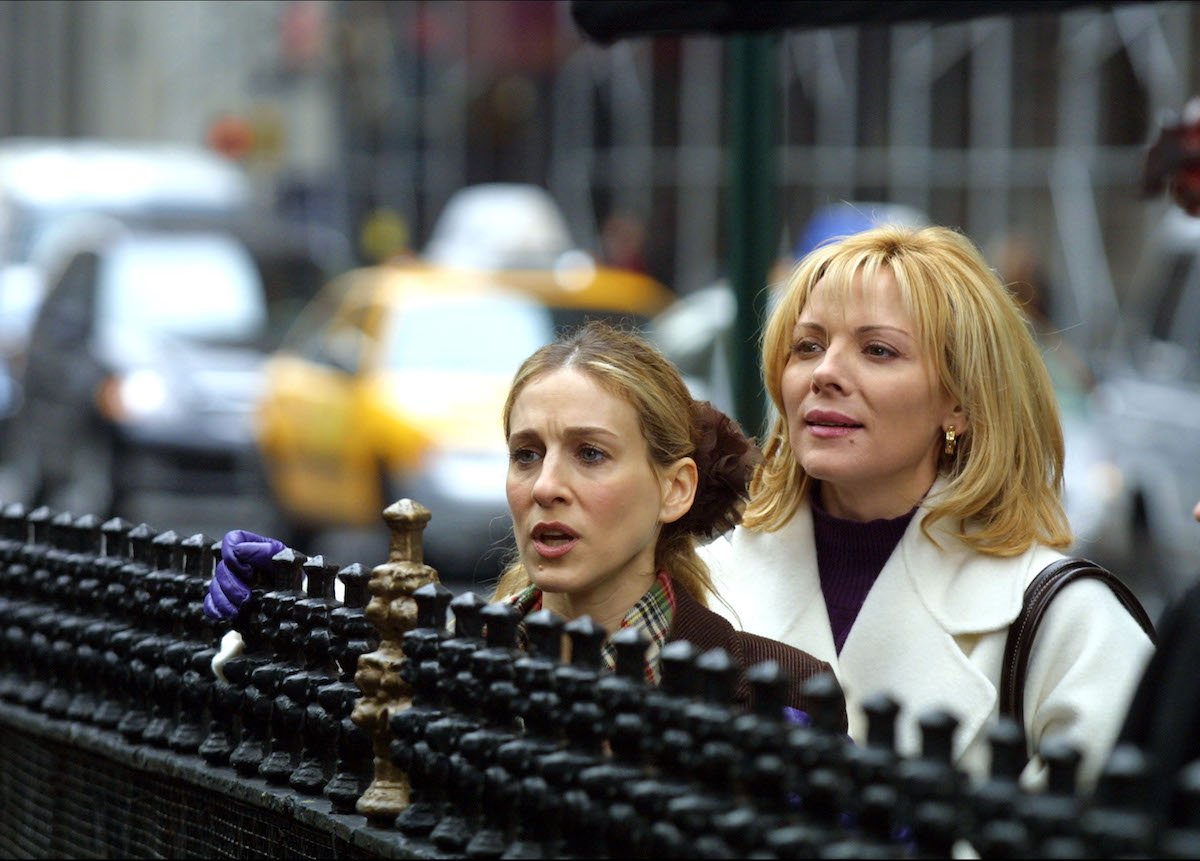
[609,20]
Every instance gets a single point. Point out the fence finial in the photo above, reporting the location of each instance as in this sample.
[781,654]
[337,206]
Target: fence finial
[393,611]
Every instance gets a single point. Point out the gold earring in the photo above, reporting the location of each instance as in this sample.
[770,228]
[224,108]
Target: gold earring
[951,442]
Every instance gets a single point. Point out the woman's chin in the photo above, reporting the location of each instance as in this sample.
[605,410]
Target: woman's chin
[820,469]
[552,576]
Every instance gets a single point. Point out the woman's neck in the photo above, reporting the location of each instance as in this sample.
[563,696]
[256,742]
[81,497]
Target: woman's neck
[606,607]
[867,504]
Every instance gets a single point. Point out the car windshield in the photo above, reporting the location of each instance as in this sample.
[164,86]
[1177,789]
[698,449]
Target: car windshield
[198,286]
[491,335]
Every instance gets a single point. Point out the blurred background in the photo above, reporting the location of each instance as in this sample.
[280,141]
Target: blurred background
[269,264]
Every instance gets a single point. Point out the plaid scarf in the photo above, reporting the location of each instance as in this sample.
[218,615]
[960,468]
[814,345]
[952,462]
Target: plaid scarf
[653,613]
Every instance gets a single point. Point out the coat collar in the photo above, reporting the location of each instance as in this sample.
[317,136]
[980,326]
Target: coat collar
[966,592]
[962,591]
[933,601]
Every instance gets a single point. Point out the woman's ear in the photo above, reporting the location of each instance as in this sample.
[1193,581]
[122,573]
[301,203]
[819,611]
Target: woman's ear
[679,490]
[962,422]
[955,417]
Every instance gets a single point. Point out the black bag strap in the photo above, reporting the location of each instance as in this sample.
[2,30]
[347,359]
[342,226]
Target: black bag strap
[1038,594]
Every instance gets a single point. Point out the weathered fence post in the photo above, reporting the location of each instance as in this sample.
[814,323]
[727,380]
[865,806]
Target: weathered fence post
[393,611]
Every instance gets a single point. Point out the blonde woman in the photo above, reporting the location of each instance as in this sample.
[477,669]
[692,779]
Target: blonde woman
[909,491]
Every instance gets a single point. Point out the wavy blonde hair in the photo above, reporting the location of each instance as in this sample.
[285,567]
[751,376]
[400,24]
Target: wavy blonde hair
[632,369]
[1004,482]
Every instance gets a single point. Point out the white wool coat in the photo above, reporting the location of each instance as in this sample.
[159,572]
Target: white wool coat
[932,631]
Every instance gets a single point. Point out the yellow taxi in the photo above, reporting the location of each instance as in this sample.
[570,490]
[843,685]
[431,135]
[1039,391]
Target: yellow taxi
[391,382]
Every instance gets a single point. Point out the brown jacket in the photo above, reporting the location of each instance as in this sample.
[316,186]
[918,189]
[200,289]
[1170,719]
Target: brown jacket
[705,630]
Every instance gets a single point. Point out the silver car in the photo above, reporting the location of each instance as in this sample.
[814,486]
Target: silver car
[144,364]
[1148,404]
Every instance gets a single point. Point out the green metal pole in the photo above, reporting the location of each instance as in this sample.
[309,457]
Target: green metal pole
[752,227]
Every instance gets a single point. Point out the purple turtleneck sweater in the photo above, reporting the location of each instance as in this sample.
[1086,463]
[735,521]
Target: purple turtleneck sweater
[850,555]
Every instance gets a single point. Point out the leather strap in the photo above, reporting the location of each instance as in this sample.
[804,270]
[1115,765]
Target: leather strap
[1038,594]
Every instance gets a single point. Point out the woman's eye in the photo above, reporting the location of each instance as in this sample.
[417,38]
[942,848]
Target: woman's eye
[805,345]
[591,454]
[880,351]
[522,455]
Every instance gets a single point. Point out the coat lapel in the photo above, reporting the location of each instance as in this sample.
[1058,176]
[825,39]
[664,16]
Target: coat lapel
[901,645]
[938,601]
[915,631]
[776,592]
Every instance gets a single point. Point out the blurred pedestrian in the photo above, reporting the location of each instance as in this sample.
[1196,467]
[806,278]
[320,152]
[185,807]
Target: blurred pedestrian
[384,236]
[1021,267]
[910,490]
[623,242]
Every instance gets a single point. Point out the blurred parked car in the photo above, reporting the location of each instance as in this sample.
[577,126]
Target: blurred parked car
[44,181]
[517,235]
[144,363]
[1149,408]
[391,385]
[499,225]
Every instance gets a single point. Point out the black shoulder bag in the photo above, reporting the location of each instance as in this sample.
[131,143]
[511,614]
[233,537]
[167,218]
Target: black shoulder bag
[1038,594]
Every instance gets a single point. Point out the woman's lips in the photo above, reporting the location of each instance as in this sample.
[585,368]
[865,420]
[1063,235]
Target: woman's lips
[832,431]
[554,551]
[827,424]
[553,540]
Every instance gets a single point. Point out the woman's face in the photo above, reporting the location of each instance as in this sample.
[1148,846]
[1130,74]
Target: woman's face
[587,505]
[865,413]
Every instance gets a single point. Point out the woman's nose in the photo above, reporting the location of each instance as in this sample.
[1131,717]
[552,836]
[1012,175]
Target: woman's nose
[828,371]
[549,486]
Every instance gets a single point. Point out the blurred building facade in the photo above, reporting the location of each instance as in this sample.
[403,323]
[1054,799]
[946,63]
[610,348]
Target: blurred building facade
[341,109]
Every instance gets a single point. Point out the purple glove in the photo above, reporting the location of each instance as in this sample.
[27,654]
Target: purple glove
[796,716]
[242,553]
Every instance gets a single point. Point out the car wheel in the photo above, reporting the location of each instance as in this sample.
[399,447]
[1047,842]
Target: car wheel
[88,485]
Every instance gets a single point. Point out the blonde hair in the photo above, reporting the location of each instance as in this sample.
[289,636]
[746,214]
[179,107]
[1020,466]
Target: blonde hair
[1004,482]
[672,423]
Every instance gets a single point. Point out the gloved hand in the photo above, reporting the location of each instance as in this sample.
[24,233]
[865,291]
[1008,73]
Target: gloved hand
[796,716]
[242,554]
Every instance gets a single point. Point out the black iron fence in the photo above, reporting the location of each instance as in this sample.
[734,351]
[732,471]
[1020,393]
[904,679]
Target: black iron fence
[369,727]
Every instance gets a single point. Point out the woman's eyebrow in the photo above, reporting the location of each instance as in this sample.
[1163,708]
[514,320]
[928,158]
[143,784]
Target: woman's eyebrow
[573,432]
[861,330]
[588,430]
[519,436]
[880,327]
